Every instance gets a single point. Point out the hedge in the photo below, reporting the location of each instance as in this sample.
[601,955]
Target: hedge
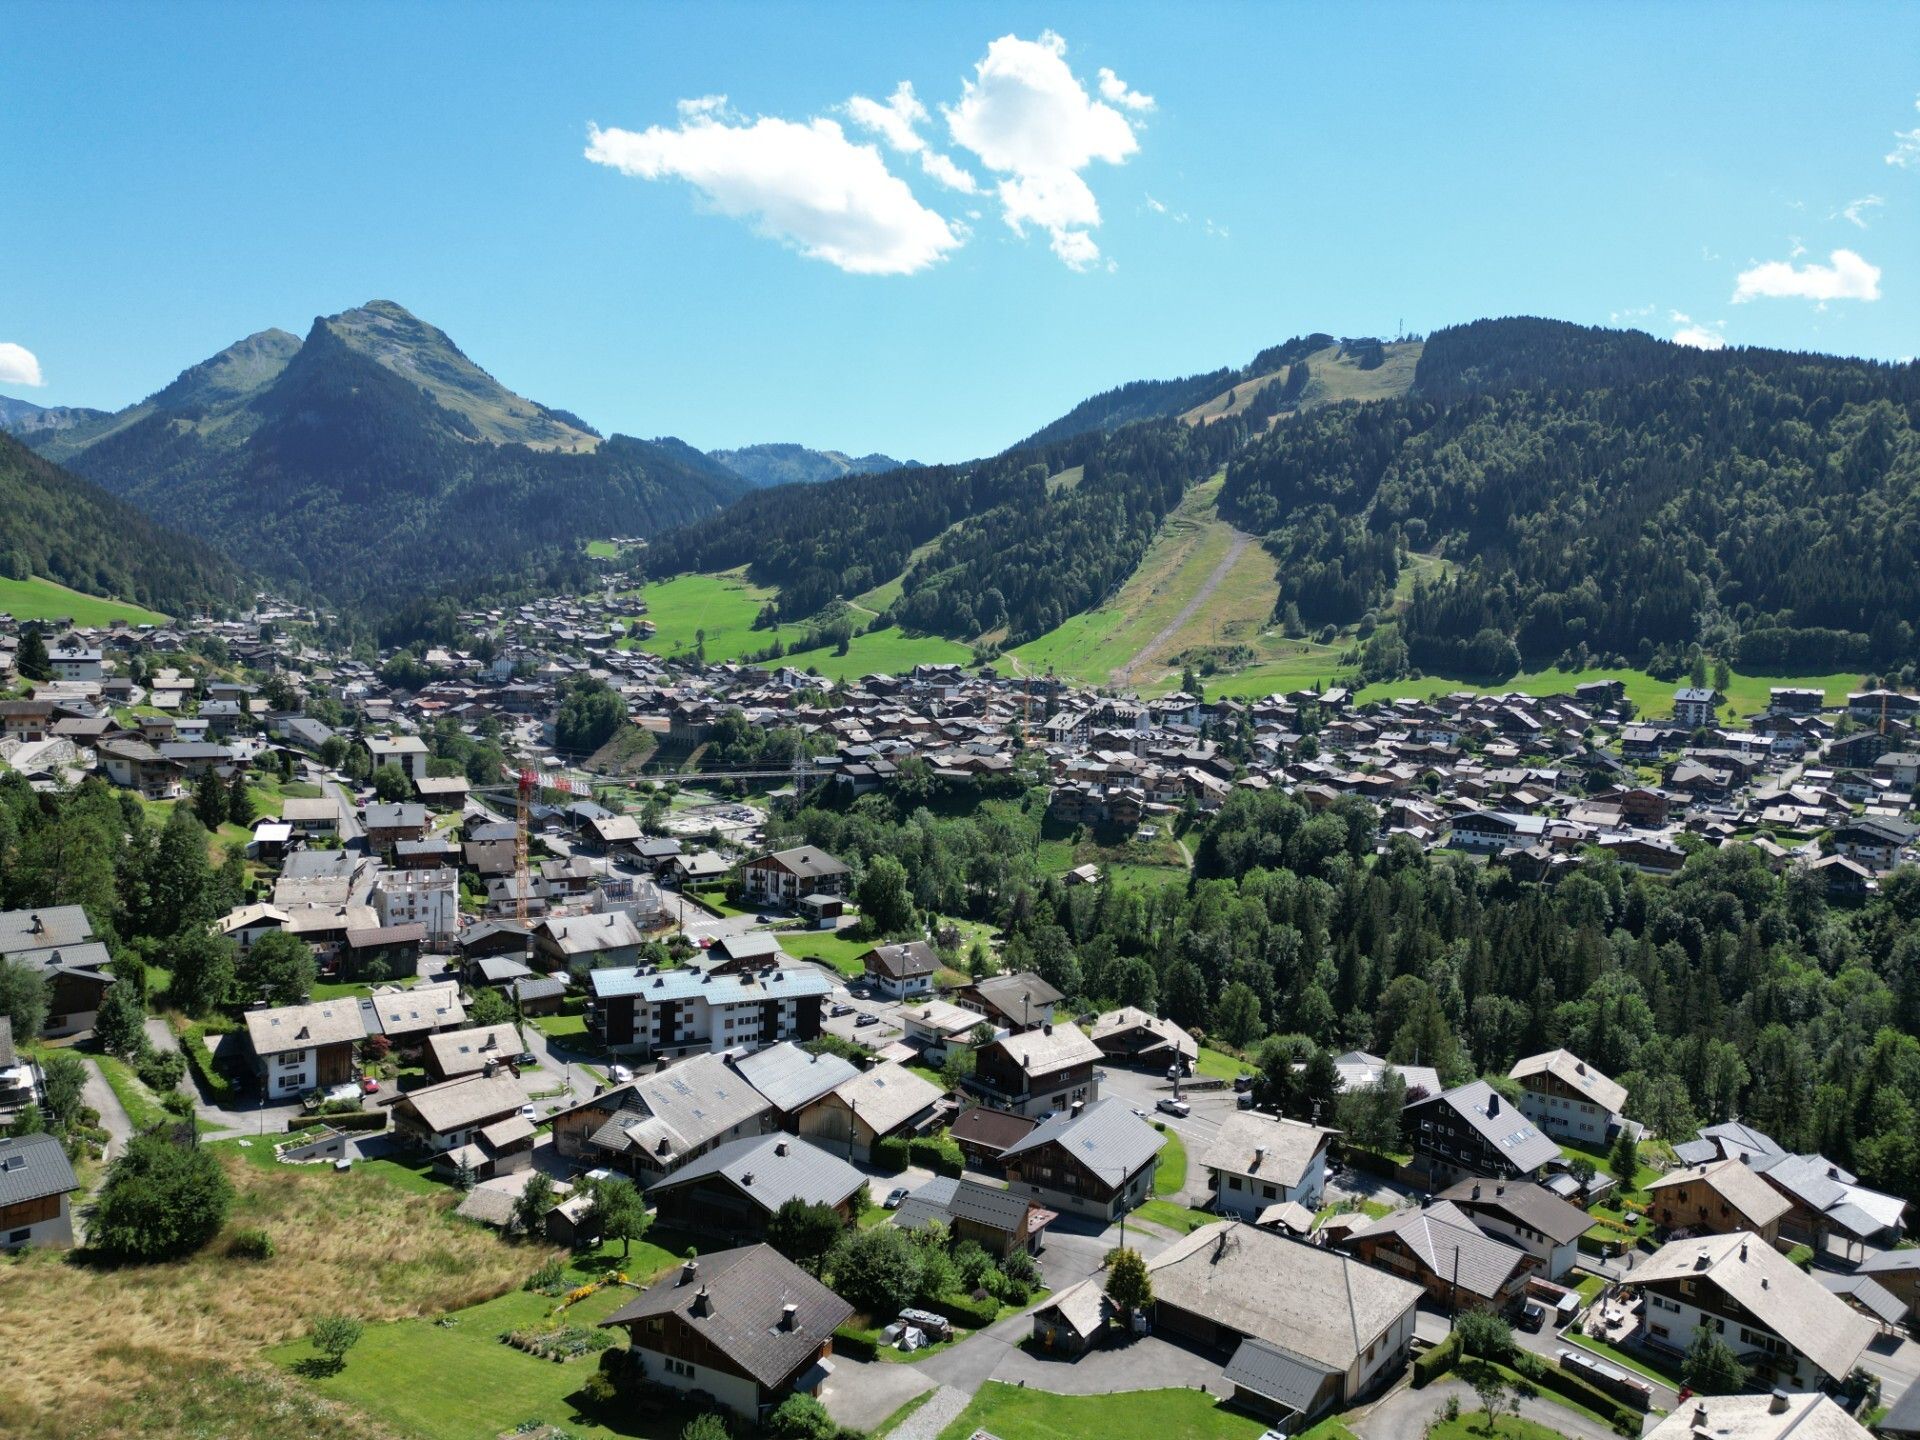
[966,1311]
[193,1045]
[1436,1362]
[891,1155]
[358,1120]
[1570,1386]
[854,1345]
[938,1153]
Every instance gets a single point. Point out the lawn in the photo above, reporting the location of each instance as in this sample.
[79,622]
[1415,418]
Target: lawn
[560,1027]
[1216,1065]
[1632,1360]
[38,599]
[721,606]
[141,1104]
[1472,1425]
[1746,694]
[889,651]
[1170,1170]
[1011,1412]
[1180,1219]
[828,946]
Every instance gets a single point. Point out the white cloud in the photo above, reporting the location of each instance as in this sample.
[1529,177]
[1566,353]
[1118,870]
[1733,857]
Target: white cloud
[896,121]
[1845,276]
[942,168]
[1906,146]
[1158,207]
[1638,312]
[1702,335]
[1113,88]
[1854,212]
[1029,119]
[18,365]
[804,184]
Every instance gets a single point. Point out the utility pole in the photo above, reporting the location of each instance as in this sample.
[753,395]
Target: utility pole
[1453,1296]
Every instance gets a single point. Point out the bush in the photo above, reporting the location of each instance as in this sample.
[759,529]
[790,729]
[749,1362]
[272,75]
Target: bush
[938,1153]
[1572,1387]
[250,1245]
[800,1417]
[161,1070]
[549,1279]
[193,1045]
[1485,1335]
[891,1155]
[161,1201]
[1436,1362]
[854,1345]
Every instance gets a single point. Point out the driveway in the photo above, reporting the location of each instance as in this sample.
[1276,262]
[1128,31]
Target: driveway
[114,1119]
[1405,1412]
[860,1394]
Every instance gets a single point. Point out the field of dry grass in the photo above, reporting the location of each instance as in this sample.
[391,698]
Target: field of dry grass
[166,1350]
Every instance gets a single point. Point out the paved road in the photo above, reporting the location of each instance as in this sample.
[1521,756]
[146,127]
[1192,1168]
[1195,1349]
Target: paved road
[350,827]
[113,1115]
[1404,1413]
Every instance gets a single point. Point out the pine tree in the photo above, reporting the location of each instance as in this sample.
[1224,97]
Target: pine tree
[31,659]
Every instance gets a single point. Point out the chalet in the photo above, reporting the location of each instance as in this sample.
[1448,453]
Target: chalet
[1568,1098]
[135,765]
[886,1102]
[1095,1160]
[1017,1002]
[1256,1161]
[583,943]
[1645,853]
[26,719]
[484,1049]
[58,942]
[1788,700]
[783,876]
[791,1078]
[1457,1263]
[735,1190]
[35,1183]
[1774,1416]
[938,1028]
[1492,830]
[1524,1214]
[316,818]
[747,1327]
[1876,844]
[1470,1130]
[985,1135]
[1782,1325]
[406,1016]
[901,971]
[297,1048]
[1130,1036]
[997,1220]
[1310,1330]
[652,1126]
[1038,1072]
[449,1116]
[1717,1198]
[388,825]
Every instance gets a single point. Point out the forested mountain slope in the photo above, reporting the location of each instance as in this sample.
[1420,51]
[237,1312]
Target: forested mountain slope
[63,528]
[374,461]
[1607,494]
[763,465]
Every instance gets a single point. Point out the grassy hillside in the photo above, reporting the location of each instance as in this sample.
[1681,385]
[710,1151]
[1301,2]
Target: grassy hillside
[38,599]
[883,651]
[1334,377]
[723,606]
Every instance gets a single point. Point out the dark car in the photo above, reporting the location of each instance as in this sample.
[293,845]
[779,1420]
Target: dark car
[1533,1315]
[1243,1082]
[526,1057]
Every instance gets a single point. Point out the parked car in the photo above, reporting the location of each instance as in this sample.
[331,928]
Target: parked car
[1533,1315]
[1175,1107]
[526,1057]
[527,1112]
[867,1019]
[369,1085]
[1244,1100]
[619,1074]
[841,1010]
[894,1197]
[1243,1083]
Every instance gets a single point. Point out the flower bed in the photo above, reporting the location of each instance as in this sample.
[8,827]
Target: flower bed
[566,1342]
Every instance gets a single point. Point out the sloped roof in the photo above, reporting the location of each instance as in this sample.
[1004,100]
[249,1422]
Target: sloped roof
[773,1169]
[423,1007]
[301,1027]
[734,1299]
[790,1077]
[457,1052]
[1785,1300]
[1106,1137]
[1049,1048]
[1759,1203]
[1276,1374]
[456,1104]
[1532,1205]
[33,1167]
[887,1096]
[1290,1146]
[1448,1243]
[1810,1416]
[1130,1017]
[1500,1124]
[907,961]
[1576,1074]
[1319,1304]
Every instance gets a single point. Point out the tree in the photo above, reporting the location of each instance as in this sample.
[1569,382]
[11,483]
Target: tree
[23,998]
[876,1271]
[530,1210]
[1489,1387]
[29,1121]
[1711,1367]
[705,1427]
[240,801]
[1582,1170]
[1484,1334]
[202,965]
[333,1336]
[31,660]
[1626,1161]
[1237,1017]
[489,1007]
[805,1233]
[957,1068]
[391,784]
[1369,1115]
[65,1076]
[1129,1286]
[120,1024]
[210,800]
[161,1201]
[886,901]
[801,1417]
[277,968]
[618,1213]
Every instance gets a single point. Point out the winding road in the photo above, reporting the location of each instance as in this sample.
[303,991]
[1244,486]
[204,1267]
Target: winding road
[1125,674]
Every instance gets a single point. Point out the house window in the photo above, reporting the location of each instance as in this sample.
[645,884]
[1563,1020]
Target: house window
[18,1237]
[1233,1182]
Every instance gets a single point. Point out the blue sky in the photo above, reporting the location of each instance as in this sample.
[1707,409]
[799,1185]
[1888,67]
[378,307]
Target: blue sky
[787,266]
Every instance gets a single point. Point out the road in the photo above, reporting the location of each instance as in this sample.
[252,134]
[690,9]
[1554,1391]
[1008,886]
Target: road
[350,827]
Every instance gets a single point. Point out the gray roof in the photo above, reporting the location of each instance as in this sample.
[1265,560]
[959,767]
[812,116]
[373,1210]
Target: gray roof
[1106,1136]
[905,961]
[773,1169]
[654,986]
[888,1096]
[1532,1205]
[790,1077]
[1503,1127]
[1904,1417]
[404,815]
[1319,1304]
[1049,1049]
[1866,1293]
[1890,1262]
[1447,1242]
[1276,1374]
[744,1292]
[1007,992]
[57,925]
[1289,1147]
[946,1199]
[33,1167]
[679,1109]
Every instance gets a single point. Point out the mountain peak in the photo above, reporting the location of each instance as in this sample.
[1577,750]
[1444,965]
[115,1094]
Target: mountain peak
[240,370]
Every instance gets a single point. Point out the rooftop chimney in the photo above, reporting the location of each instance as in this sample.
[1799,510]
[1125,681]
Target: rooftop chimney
[1493,1105]
[789,1316]
[1476,1189]
[1699,1417]
[1259,1154]
[1500,1187]
[689,1272]
[1743,1250]
[701,1305]
[780,1148]
[1777,1403]
[1047,1028]
[1078,1106]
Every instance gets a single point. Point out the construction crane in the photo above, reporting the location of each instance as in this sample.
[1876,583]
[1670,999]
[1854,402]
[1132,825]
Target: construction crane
[527,783]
